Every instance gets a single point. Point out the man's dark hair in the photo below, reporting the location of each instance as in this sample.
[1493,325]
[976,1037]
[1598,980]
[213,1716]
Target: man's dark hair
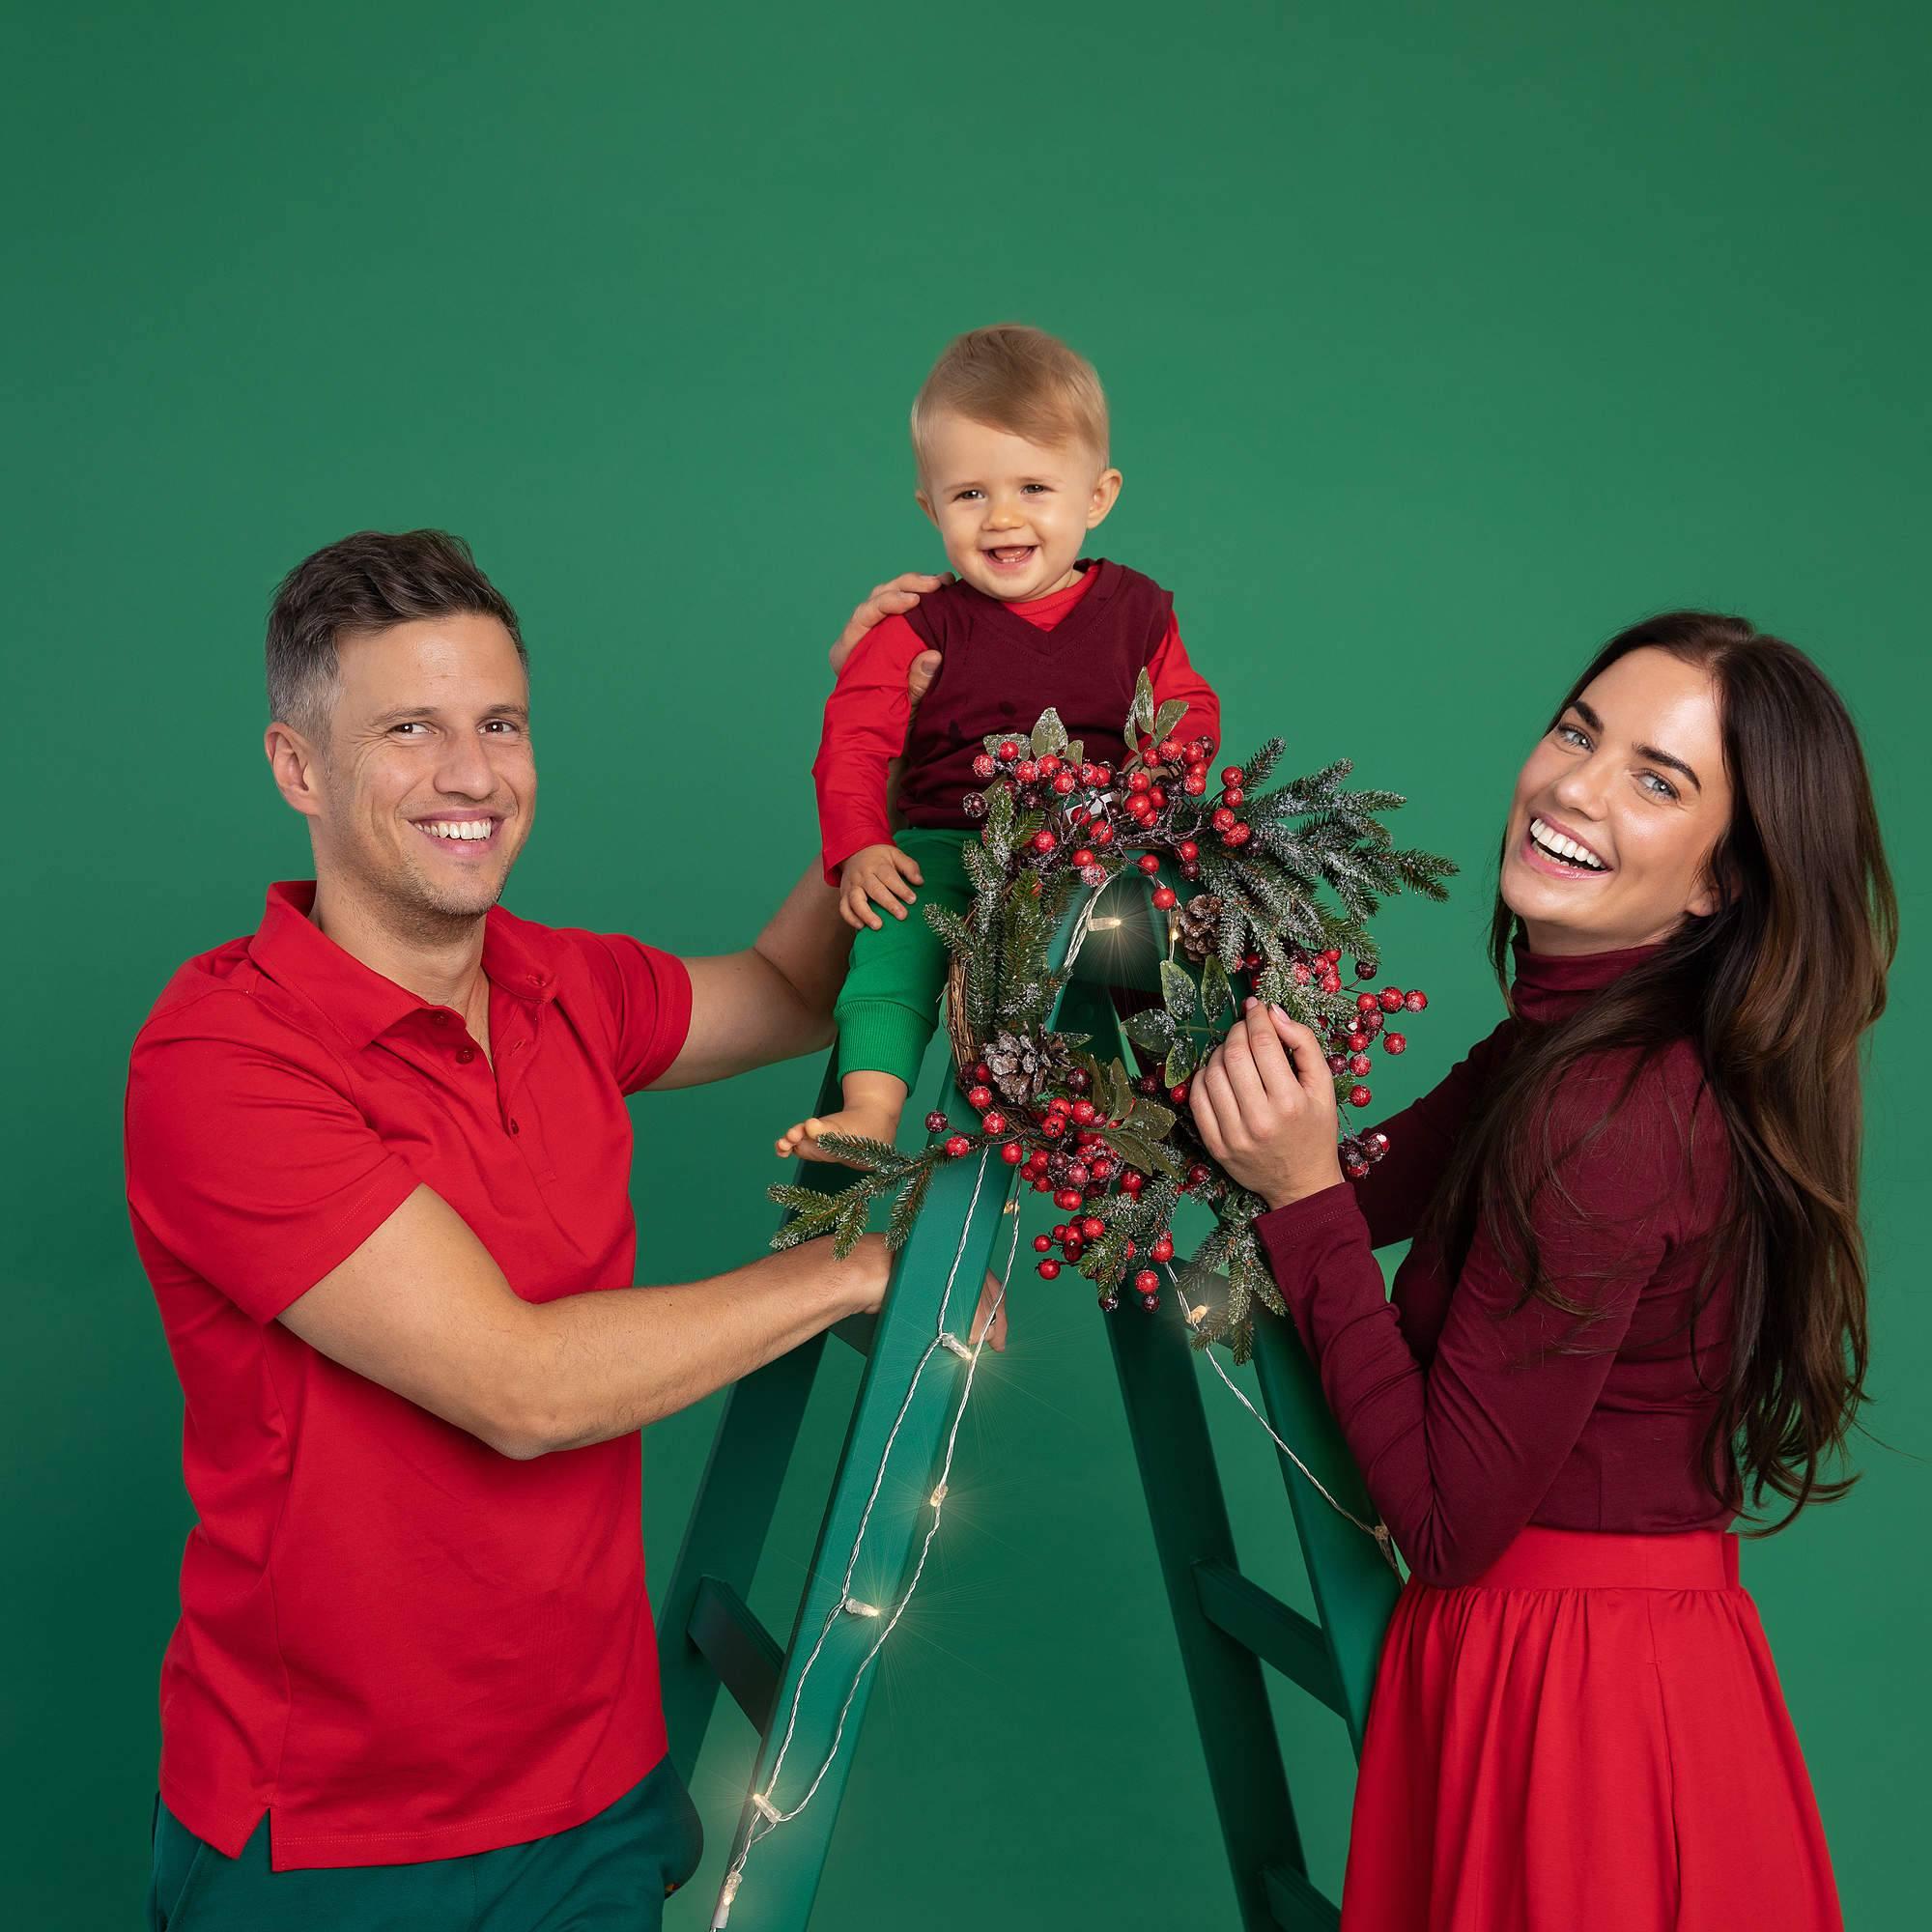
[370,582]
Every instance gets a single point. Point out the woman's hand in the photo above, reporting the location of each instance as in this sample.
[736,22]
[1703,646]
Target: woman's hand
[880,875]
[1264,1103]
[891,600]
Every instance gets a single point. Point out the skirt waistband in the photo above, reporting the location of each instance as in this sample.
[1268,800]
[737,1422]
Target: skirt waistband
[1579,1559]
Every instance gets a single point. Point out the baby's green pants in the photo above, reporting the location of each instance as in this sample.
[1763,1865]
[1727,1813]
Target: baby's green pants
[890,1005]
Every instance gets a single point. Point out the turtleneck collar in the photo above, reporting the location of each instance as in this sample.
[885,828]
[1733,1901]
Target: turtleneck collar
[1548,987]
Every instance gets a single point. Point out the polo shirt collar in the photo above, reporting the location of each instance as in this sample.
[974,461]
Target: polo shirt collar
[360,1003]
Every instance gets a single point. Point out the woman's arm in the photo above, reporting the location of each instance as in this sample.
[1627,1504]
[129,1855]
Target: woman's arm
[1458,1457]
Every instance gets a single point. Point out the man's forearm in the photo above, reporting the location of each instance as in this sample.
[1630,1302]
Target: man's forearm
[610,1362]
[806,943]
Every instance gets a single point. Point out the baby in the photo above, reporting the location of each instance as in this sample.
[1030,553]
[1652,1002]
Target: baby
[1010,441]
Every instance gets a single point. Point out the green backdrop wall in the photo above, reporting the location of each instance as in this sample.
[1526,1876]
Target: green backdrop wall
[1441,341]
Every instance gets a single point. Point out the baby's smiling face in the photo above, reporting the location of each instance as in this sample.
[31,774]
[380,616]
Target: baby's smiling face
[1014,515]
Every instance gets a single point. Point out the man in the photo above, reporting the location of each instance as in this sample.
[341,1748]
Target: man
[378,1166]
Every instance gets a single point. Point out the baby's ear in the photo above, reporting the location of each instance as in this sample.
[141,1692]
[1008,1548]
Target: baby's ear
[924,503]
[1106,491]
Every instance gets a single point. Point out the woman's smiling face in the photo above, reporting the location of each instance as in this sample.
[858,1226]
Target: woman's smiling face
[1618,809]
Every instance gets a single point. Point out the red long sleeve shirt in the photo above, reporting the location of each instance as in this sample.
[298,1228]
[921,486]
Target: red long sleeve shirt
[867,714]
[1471,1418]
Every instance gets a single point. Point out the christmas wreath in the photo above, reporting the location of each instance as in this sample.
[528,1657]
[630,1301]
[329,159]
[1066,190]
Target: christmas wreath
[1117,1148]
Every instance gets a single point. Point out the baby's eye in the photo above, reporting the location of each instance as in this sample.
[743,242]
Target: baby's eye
[964,494]
[1042,488]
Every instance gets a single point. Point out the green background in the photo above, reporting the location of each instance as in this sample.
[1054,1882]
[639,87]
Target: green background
[1441,342]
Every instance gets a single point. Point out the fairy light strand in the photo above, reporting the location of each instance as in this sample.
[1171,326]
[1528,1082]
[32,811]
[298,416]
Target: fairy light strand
[846,1605]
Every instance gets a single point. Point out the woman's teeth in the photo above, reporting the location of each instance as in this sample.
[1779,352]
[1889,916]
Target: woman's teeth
[1557,846]
[456,828]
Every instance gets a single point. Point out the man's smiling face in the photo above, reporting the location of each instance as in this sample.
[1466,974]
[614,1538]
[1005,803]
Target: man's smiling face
[427,788]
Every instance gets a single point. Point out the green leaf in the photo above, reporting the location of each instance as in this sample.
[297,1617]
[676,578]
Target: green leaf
[1179,1061]
[1168,717]
[1075,753]
[1140,714]
[1049,735]
[1178,991]
[1150,1029]
[1217,996]
[1133,1150]
[1149,1119]
[1120,1092]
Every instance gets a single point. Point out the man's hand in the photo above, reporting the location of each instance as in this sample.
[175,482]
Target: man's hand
[1264,1103]
[879,876]
[989,1318]
[889,600]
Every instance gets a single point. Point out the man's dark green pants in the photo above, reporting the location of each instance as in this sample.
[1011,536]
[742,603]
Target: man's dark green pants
[612,1873]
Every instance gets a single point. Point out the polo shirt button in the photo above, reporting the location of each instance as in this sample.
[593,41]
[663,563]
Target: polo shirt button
[465,1055]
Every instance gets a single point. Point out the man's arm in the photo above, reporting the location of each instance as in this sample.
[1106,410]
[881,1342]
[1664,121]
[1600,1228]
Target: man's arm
[421,1308]
[773,1000]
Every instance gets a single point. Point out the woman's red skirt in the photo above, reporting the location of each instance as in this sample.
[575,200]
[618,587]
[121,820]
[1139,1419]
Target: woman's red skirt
[1589,1738]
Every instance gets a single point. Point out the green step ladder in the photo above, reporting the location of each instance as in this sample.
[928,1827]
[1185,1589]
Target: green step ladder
[1227,1625]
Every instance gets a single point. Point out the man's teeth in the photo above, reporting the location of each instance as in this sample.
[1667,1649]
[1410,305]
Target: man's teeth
[1560,847]
[456,828]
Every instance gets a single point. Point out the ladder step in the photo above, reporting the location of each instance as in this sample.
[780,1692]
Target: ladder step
[1296,1905]
[1277,1634]
[743,1653]
[856,1331]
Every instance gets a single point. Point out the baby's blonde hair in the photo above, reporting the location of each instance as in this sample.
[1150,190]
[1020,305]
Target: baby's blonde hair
[1018,379]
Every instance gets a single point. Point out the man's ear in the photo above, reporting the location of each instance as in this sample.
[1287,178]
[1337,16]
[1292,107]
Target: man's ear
[1106,492]
[294,763]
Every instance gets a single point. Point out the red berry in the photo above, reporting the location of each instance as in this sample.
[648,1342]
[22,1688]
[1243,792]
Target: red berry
[1163,1248]
[1013,1153]
[1150,1302]
[958,1145]
[1073,1247]
[1084,1111]
[1103,834]
[1008,750]
[1130,1250]
[1067,1199]
[1165,896]
[980,1097]
[1239,835]
[1189,869]
[1358,1041]
[935,1121]
[1038,1182]
[1377,1142]
[1157,798]
[1102,1168]
[1147,1281]
[1338,1064]
[1235,796]
[1132,1181]
[1092,875]
[1196,1174]
[1179,1094]
[1042,1243]
[984,766]
[1064,783]
[1047,1270]
[1392,998]
[1053,1126]
[1060,1231]
[1359,1065]
[1230,775]
[981,1073]
[1371,1023]
[1366,1002]
[1187,849]
[1093,1228]
[1044,840]
[993,1122]
[1193,784]
[1359,1096]
[1060,1104]
[1049,764]
[1027,771]
[1415,1001]
[1140,782]
[1170,751]
[1079,1080]
[1355,1169]
[1223,820]
[1394,1043]
[1084,856]
[1149,863]
[1363,969]
[1089,774]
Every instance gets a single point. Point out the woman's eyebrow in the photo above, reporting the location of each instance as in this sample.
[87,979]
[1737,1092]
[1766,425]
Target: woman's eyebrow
[1649,752]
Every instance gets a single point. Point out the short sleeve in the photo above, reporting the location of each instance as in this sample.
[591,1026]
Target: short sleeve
[646,996]
[246,1158]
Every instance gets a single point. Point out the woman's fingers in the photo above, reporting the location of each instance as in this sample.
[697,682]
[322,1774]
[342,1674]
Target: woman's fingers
[1271,1064]
[1244,1081]
[1206,1122]
[1310,1060]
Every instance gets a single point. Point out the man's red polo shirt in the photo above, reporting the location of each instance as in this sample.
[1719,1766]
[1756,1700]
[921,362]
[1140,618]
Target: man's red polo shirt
[399,1643]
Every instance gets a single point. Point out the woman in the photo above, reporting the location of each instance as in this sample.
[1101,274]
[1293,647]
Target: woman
[1636,1293]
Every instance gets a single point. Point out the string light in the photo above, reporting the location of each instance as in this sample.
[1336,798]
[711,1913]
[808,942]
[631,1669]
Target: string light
[762,1802]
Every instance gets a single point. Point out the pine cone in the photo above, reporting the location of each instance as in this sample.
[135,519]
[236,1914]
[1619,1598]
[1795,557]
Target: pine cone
[1198,919]
[1022,1069]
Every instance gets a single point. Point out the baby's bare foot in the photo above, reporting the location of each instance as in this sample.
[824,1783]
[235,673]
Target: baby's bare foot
[877,1124]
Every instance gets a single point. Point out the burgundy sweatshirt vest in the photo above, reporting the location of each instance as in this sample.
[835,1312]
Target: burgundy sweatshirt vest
[999,673]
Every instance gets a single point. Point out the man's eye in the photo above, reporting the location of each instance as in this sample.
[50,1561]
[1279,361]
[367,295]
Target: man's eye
[410,724]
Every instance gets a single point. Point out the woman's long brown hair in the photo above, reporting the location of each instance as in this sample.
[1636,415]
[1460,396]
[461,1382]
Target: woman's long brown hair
[1775,988]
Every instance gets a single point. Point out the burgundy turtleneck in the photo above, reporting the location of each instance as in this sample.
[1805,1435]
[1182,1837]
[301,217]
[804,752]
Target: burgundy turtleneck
[1470,1416]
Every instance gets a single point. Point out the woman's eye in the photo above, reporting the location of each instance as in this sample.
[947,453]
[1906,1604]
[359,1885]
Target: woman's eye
[1664,788]
[1570,735]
